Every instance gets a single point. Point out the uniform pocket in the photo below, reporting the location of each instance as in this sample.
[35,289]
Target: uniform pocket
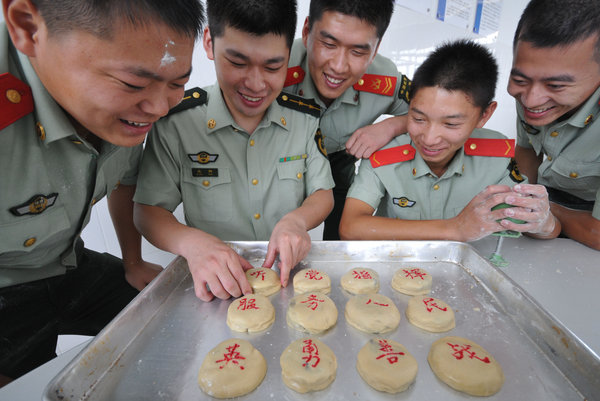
[291,181]
[208,198]
[576,175]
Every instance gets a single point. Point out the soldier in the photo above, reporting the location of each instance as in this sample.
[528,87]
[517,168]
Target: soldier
[441,181]
[336,63]
[555,79]
[81,84]
[244,159]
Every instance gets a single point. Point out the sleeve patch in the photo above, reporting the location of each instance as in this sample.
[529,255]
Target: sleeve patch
[319,142]
[515,175]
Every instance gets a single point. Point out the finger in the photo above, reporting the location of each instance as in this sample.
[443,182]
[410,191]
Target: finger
[538,191]
[352,139]
[214,283]
[285,261]
[244,263]
[201,291]
[271,254]
[239,274]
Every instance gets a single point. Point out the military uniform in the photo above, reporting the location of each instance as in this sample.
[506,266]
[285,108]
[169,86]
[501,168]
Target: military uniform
[571,168]
[398,183]
[382,90]
[234,185]
[50,179]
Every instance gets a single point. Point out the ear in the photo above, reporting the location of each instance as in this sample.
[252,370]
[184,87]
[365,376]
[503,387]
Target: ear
[23,22]
[487,113]
[305,32]
[208,43]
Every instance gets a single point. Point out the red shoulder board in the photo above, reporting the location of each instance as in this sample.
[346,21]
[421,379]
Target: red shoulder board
[378,84]
[490,147]
[294,76]
[16,100]
[392,155]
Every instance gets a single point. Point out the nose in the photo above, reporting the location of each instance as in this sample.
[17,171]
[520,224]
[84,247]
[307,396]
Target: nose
[160,100]
[429,135]
[339,62]
[533,95]
[255,80]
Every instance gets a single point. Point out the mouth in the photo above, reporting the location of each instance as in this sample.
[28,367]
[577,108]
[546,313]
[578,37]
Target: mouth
[136,124]
[538,110]
[333,82]
[251,98]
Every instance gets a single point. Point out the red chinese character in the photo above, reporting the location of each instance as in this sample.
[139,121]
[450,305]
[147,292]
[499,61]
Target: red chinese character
[312,301]
[459,352]
[233,356]
[387,349]
[251,304]
[414,273]
[311,349]
[430,304]
[376,303]
[259,274]
[312,274]
[362,274]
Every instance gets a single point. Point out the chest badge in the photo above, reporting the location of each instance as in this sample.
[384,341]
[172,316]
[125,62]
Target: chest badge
[203,157]
[404,202]
[35,205]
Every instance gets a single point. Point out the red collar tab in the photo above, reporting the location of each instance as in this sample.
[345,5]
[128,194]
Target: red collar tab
[294,76]
[378,84]
[490,147]
[392,155]
[16,100]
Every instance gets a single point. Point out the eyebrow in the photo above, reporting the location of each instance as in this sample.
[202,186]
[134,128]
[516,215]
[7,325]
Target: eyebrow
[236,54]
[142,73]
[556,78]
[416,110]
[363,46]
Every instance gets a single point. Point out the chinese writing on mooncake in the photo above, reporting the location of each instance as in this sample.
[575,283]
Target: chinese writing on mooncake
[232,356]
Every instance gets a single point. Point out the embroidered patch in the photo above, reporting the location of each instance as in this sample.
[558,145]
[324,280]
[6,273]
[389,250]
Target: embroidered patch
[203,157]
[35,205]
[530,129]
[515,175]
[404,202]
[319,141]
[205,172]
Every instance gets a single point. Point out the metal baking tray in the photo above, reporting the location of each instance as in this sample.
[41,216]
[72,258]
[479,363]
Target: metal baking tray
[155,346]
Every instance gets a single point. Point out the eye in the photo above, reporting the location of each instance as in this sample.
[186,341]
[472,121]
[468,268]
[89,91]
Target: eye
[556,86]
[518,81]
[328,45]
[273,69]
[134,87]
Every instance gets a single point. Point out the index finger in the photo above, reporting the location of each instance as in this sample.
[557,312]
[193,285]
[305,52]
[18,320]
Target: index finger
[285,261]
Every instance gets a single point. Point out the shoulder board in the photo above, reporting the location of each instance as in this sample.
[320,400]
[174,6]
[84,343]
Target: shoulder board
[404,91]
[392,155]
[378,84]
[299,103]
[16,100]
[294,76]
[191,98]
[490,147]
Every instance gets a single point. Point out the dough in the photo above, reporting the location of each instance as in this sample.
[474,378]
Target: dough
[312,312]
[250,313]
[412,281]
[361,281]
[372,313]
[386,365]
[231,369]
[430,314]
[311,280]
[263,281]
[465,366]
[307,365]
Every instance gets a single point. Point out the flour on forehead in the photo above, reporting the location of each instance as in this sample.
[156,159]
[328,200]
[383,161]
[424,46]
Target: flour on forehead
[167,57]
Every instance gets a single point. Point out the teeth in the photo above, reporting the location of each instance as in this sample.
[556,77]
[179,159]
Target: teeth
[251,99]
[135,124]
[333,80]
[537,111]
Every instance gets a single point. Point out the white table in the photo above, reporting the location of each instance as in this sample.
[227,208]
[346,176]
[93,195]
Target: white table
[561,275]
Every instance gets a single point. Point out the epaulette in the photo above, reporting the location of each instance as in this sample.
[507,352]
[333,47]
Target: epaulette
[299,103]
[294,76]
[17,99]
[490,147]
[191,98]
[392,155]
[378,84]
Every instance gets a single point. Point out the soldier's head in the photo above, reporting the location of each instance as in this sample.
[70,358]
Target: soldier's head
[250,41]
[342,38]
[556,58]
[114,66]
[451,94]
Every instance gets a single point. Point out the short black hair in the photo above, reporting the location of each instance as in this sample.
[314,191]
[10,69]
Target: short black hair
[550,23]
[462,65]
[257,17]
[375,12]
[98,16]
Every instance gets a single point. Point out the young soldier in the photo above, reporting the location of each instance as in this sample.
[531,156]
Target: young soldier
[442,180]
[81,83]
[336,63]
[244,161]
[555,80]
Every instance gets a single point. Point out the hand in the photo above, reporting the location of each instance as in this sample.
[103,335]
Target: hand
[477,220]
[140,273]
[531,205]
[291,241]
[214,263]
[366,140]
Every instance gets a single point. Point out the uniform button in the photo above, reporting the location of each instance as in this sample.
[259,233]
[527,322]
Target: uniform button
[29,242]
[94,201]
[588,119]
[211,123]
[405,152]
[251,142]
[299,175]
[41,132]
[414,171]
[206,183]
[295,74]
[554,134]
[356,97]
[13,96]
[254,181]
[549,158]
[283,121]
[436,187]
[196,95]
[361,82]
[301,92]
[284,97]
[257,216]
[573,175]
[473,146]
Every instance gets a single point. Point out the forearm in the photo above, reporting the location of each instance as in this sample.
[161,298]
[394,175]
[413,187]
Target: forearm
[579,225]
[314,209]
[120,207]
[397,125]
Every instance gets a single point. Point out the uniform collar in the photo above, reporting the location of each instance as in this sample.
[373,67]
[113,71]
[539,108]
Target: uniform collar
[420,168]
[218,115]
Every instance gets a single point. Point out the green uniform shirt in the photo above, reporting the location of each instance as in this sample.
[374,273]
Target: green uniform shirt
[233,185]
[409,190]
[49,181]
[572,150]
[354,109]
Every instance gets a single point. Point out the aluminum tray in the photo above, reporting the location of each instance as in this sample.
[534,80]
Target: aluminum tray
[154,348]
